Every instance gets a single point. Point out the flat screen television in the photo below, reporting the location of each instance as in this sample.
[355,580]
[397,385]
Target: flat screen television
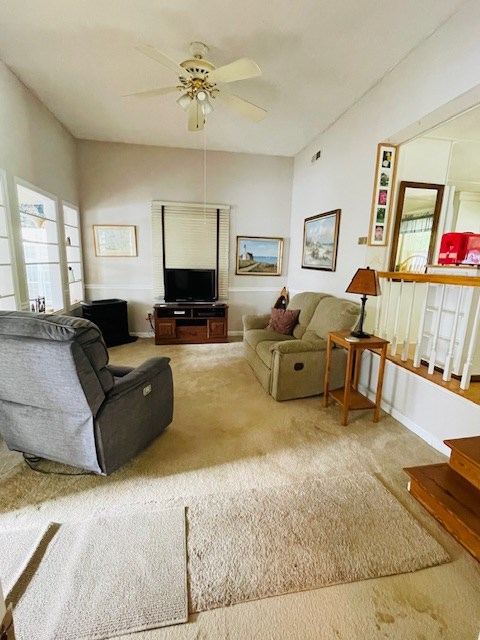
[190,285]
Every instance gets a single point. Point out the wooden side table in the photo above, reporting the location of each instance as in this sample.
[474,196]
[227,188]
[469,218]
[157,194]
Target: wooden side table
[349,398]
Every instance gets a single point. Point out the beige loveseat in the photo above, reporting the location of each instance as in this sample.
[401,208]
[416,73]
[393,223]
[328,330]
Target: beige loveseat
[293,366]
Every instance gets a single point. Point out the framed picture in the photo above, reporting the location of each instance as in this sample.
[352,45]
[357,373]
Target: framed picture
[259,256]
[115,240]
[383,186]
[320,241]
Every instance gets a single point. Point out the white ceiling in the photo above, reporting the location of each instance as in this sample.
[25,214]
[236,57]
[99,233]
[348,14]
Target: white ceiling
[318,57]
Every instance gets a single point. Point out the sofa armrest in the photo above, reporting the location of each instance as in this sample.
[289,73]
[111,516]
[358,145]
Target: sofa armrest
[298,346]
[138,376]
[119,370]
[255,322]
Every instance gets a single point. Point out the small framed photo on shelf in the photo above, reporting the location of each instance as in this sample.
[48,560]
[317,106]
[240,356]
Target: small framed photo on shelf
[115,240]
[383,186]
[320,241]
[259,256]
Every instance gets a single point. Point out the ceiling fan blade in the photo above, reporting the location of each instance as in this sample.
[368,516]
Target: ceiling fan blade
[157,55]
[242,106]
[238,70]
[151,93]
[195,117]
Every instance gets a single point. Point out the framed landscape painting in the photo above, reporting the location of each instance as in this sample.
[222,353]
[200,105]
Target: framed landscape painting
[259,256]
[320,241]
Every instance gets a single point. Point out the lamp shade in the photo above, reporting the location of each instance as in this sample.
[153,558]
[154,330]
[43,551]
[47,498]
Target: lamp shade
[365,282]
[184,101]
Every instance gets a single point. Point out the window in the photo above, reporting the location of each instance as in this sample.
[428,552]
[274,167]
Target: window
[194,237]
[74,254]
[7,290]
[39,233]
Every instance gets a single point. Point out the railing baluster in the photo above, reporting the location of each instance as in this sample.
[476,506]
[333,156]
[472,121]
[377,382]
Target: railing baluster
[406,342]
[433,352]
[394,341]
[378,313]
[421,326]
[467,368]
[387,309]
[447,371]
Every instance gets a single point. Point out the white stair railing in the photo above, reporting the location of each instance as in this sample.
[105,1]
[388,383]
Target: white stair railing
[446,326]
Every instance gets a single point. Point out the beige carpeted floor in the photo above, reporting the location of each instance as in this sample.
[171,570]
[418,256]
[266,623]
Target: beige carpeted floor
[108,576]
[227,434]
[303,535]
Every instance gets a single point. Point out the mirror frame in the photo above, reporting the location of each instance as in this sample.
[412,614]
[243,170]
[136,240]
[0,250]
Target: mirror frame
[404,185]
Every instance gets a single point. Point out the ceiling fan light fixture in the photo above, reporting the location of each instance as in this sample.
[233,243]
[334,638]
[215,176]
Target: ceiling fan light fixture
[205,105]
[184,101]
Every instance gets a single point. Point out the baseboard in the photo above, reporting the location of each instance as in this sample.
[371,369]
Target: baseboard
[410,424]
[142,334]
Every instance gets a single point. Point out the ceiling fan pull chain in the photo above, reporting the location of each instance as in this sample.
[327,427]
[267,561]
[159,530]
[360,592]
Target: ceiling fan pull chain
[204,170]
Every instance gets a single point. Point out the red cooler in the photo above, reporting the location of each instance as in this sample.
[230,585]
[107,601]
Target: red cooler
[452,248]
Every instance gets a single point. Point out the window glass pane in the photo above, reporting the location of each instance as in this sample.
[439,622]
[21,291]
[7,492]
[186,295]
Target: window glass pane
[8,304]
[36,204]
[76,292]
[3,221]
[72,237]
[74,257]
[73,254]
[40,252]
[6,280]
[4,251]
[44,281]
[40,248]
[70,216]
[38,230]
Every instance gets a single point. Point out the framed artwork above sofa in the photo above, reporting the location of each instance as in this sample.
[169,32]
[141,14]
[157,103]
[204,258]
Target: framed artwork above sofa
[320,241]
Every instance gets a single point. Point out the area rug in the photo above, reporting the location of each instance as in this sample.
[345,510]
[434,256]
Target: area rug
[18,548]
[106,577]
[246,546]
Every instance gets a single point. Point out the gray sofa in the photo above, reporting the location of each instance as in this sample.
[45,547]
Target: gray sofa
[61,400]
[293,366]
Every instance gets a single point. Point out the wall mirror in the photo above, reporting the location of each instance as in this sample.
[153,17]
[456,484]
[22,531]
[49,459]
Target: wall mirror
[416,224]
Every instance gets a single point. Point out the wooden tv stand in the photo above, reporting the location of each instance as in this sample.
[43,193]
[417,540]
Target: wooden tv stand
[199,323]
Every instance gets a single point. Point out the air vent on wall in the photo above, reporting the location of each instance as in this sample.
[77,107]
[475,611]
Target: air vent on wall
[316,156]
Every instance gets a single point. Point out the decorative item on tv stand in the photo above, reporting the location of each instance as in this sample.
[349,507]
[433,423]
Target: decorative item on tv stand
[364,282]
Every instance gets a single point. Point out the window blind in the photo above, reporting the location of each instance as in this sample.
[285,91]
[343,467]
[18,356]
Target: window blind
[194,236]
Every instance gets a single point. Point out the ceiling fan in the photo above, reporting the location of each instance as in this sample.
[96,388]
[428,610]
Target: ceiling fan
[199,80]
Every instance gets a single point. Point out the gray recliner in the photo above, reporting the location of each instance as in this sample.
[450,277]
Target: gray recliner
[61,400]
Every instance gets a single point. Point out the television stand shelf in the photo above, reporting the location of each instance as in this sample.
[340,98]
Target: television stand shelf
[198,323]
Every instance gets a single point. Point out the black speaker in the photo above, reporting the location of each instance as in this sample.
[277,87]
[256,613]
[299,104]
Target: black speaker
[111,318]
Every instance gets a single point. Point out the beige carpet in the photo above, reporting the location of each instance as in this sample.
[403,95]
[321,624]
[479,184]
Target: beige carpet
[245,546]
[107,577]
[17,549]
[229,435]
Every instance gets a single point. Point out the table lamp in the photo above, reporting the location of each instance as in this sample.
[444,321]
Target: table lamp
[365,282]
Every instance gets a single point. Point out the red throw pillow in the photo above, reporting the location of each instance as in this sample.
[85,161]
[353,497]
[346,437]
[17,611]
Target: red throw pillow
[283,320]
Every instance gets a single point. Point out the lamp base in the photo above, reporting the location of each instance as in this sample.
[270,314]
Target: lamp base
[360,334]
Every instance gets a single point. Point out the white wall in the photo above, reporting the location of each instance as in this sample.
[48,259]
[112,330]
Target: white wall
[35,147]
[118,183]
[440,70]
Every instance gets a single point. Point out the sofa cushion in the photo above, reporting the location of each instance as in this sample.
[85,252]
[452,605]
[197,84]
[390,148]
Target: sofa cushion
[255,336]
[307,302]
[283,320]
[332,314]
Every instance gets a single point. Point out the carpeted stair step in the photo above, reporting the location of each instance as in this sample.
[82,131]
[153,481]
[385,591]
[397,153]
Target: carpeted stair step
[451,499]
[465,458]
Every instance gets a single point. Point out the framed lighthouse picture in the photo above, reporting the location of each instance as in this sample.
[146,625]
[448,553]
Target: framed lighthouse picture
[259,256]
